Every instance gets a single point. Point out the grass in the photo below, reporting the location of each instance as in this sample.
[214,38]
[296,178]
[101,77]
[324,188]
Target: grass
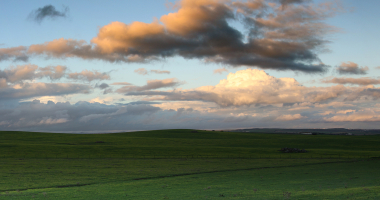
[177,143]
[358,180]
[180,164]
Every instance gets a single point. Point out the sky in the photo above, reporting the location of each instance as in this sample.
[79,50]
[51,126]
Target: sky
[75,66]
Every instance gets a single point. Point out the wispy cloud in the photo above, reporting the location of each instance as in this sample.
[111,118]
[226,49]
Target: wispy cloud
[143,71]
[47,11]
[151,85]
[353,81]
[89,76]
[160,71]
[220,71]
[121,83]
[351,68]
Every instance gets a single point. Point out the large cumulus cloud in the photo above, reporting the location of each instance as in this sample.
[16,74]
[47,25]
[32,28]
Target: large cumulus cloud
[250,87]
[282,35]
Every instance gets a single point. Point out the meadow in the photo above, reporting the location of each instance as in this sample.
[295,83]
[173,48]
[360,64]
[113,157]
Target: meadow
[187,164]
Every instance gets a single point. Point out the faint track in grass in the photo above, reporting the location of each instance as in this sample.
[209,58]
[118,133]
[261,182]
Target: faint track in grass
[195,173]
[246,169]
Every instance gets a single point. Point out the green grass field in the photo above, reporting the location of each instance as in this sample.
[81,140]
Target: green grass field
[183,164]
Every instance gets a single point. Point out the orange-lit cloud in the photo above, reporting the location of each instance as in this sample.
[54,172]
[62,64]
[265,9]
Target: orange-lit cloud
[15,53]
[30,72]
[282,38]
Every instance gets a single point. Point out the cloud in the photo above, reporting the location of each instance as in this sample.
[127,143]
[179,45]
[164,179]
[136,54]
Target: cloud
[353,81]
[345,111]
[328,112]
[81,116]
[19,73]
[275,37]
[30,72]
[102,86]
[15,53]
[130,110]
[151,85]
[248,87]
[29,90]
[99,117]
[53,72]
[47,11]
[105,87]
[220,71]
[160,71]
[143,71]
[105,100]
[334,105]
[52,121]
[366,115]
[289,117]
[351,68]
[121,83]
[89,76]
[3,83]
[286,2]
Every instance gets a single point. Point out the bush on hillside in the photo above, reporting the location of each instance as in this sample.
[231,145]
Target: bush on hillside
[292,150]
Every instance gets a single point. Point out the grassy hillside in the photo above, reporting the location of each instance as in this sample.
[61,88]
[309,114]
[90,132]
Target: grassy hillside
[183,164]
[177,143]
[357,180]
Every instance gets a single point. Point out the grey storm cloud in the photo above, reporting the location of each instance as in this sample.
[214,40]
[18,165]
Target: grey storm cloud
[47,11]
[287,38]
